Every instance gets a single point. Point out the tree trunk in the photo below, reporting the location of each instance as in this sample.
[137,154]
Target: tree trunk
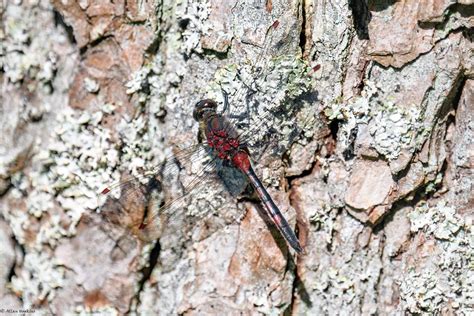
[361,115]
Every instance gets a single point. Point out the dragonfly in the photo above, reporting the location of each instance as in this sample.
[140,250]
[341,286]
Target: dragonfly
[223,144]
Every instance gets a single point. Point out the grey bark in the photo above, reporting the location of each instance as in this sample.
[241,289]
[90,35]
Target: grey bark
[366,109]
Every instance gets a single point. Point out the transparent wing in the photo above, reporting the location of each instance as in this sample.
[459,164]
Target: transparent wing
[147,209]
[238,108]
[281,95]
[137,202]
[266,122]
[159,211]
[168,167]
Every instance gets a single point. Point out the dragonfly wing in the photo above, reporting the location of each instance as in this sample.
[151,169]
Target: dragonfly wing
[208,209]
[238,108]
[152,195]
[127,211]
[167,167]
[158,209]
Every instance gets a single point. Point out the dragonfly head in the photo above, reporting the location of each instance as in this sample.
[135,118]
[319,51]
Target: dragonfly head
[204,108]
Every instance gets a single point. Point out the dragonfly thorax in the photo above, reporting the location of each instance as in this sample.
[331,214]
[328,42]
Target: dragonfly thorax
[219,133]
[222,142]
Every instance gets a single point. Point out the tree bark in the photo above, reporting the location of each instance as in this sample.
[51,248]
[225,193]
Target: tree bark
[365,111]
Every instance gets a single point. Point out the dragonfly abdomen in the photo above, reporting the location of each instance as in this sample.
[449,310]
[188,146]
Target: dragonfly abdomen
[241,160]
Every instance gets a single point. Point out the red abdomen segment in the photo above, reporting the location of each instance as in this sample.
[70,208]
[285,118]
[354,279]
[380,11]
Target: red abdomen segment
[241,161]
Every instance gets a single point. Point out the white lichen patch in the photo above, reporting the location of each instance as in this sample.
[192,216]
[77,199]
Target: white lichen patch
[392,127]
[440,221]
[67,173]
[91,85]
[165,72]
[142,150]
[138,78]
[338,283]
[434,184]
[103,310]
[23,53]
[40,277]
[197,12]
[447,278]
[202,204]
[352,113]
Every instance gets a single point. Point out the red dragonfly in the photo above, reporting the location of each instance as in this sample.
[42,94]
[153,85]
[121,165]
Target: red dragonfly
[223,145]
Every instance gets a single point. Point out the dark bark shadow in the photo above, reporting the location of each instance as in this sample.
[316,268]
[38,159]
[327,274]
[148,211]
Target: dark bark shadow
[302,292]
[361,17]
[379,5]
[276,234]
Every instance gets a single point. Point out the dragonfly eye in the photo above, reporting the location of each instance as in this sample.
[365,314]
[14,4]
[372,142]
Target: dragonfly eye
[202,107]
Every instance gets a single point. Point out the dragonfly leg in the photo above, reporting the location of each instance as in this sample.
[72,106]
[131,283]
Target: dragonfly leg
[226,100]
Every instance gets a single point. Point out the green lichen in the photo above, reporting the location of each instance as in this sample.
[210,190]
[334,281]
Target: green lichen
[433,185]
[324,217]
[393,127]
